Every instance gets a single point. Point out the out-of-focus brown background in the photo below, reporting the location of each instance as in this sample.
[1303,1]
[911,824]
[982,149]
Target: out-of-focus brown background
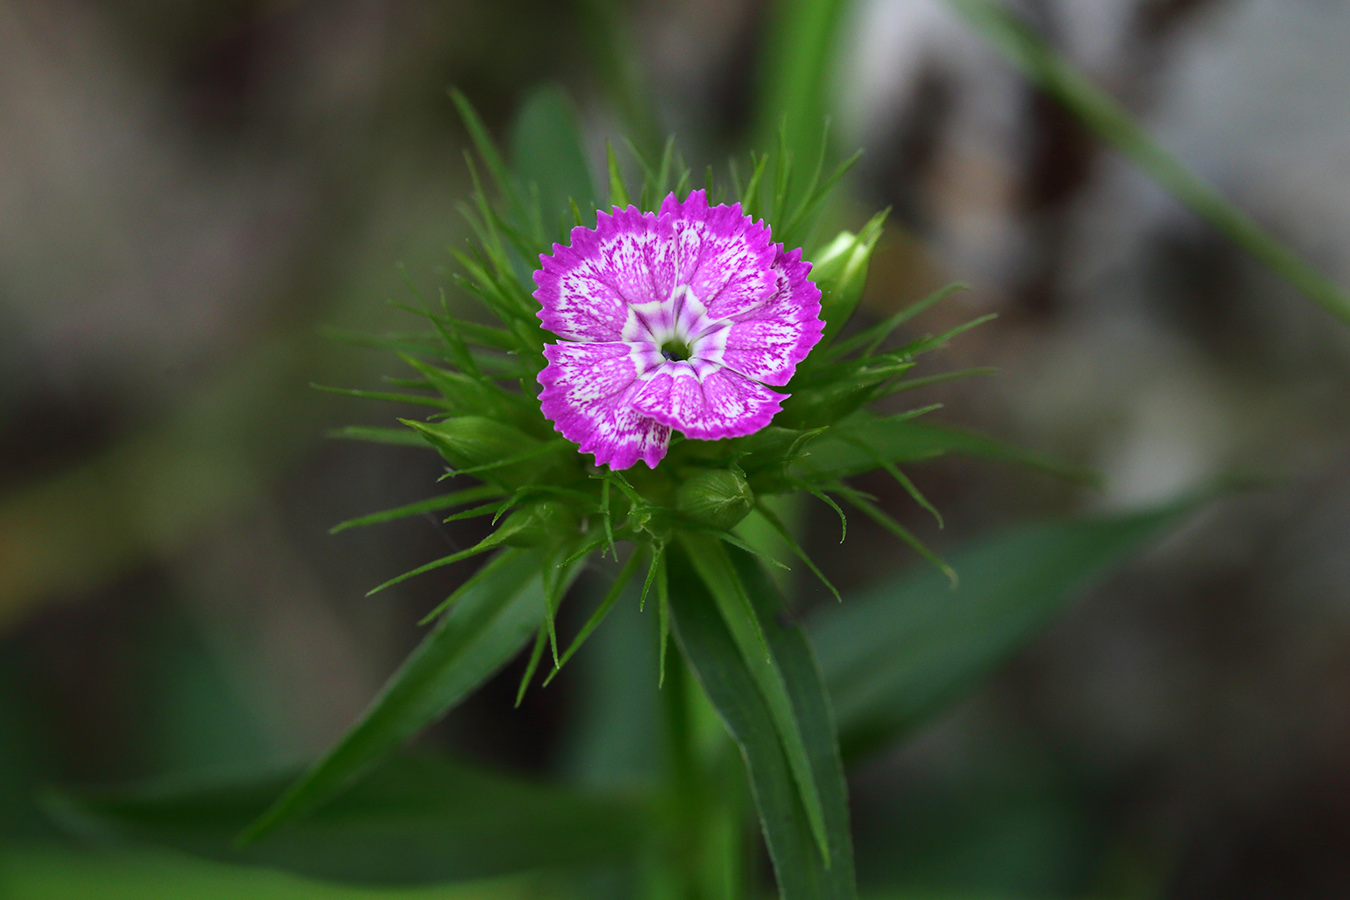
[189,192]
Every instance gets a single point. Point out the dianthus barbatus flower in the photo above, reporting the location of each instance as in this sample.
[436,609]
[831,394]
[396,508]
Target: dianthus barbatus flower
[676,319]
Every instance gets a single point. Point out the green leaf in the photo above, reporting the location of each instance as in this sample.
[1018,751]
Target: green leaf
[413,820]
[712,564]
[836,453]
[606,604]
[1030,53]
[485,628]
[547,152]
[904,650]
[618,194]
[794,75]
[400,437]
[497,452]
[717,659]
[431,504]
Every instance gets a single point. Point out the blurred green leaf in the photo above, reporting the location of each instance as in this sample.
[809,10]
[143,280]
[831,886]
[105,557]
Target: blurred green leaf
[717,659]
[497,612]
[904,650]
[399,437]
[838,453]
[548,154]
[1030,53]
[413,820]
[794,78]
[43,872]
[431,504]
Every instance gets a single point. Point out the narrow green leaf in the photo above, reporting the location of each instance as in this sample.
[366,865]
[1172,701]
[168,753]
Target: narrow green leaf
[431,504]
[721,668]
[900,441]
[536,654]
[876,514]
[1030,53]
[480,634]
[871,338]
[413,820]
[401,437]
[782,531]
[905,649]
[900,478]
[794,82]
[709,559]
[483,144]
[618,194]
[509,529]
[387,396]
[606,604]
[662,611]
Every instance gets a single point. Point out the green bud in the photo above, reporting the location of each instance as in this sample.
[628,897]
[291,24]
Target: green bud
[840,271]
[716,497]
[480,445]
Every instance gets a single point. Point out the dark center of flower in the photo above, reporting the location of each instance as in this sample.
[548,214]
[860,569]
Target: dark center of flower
[675,350]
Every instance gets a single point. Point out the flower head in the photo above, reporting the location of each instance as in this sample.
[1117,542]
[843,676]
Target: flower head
[678,319]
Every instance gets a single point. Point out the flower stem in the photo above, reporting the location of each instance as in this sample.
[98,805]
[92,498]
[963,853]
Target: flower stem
[704,795]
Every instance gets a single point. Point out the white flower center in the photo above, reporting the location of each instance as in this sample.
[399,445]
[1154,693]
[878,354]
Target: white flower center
[673,331]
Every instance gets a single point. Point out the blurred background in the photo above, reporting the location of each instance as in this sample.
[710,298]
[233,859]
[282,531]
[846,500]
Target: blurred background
[190,193]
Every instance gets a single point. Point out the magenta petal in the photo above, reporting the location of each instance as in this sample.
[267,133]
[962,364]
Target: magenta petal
[724,256]
[765,343]
[588,393]
[585,290]
[719,404]
[636,286]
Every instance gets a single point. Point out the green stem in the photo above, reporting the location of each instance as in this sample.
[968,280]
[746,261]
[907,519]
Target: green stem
[703,855]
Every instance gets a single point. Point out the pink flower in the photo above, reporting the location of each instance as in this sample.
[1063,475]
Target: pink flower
[676,319]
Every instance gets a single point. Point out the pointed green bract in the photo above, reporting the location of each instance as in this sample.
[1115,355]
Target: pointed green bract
[606,604]
[433,504]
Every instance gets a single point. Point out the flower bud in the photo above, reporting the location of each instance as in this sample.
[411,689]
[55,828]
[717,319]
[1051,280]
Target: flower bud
[474,442]
[840,271]
[716,497]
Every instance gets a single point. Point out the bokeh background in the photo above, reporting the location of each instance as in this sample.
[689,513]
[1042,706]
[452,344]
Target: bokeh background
[191,193]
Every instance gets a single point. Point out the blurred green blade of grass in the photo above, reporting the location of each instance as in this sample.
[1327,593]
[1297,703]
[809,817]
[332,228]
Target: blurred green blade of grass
[416,820]
[794,77]
[906,649]
[1030,53]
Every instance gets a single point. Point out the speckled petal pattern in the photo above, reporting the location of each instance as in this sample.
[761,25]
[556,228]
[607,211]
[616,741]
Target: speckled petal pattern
[631,296]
